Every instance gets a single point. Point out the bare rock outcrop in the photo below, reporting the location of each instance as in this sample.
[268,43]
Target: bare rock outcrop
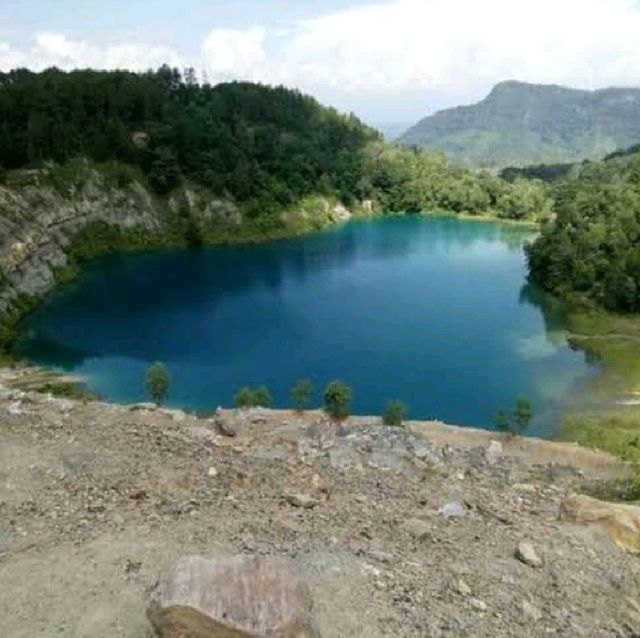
[238,597]
[621,521]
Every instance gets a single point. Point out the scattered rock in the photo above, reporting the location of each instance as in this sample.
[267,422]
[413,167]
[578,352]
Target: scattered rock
[417,528]
[228,427]
[531,612]
[526,554]
[494,451]
[462,588]
[453,509]
[303,501]
[15,408]
[239,597]
[212,472]
[139,407]
[478,604]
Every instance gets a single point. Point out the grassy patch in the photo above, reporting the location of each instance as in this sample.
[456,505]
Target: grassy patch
[617,433]
[613,342]
[68,390]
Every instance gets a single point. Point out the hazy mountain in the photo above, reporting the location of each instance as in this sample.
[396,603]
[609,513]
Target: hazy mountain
[391,130]
[519,123]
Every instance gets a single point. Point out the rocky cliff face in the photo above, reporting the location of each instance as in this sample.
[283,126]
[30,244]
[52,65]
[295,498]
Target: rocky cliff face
[38,224]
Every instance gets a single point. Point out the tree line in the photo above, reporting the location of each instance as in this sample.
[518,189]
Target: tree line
[336,398]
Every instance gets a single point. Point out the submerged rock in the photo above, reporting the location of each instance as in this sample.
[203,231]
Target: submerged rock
[238,597]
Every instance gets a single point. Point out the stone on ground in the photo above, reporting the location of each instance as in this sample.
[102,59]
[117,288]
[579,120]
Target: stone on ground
[526,554]
[622,522]
[238,597]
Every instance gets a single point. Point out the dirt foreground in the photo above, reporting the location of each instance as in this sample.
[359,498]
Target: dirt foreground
[397,531]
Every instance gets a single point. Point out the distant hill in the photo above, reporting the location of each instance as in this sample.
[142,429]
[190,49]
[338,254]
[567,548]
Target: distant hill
[519,124]
[391,130]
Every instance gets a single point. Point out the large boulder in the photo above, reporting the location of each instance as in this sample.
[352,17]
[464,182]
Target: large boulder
[622,522]
[238,597]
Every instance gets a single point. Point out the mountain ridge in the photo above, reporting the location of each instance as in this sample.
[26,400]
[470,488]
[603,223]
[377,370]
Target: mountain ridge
[520,123]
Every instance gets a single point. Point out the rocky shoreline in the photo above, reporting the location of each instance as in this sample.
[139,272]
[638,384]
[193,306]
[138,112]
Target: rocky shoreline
[426,530]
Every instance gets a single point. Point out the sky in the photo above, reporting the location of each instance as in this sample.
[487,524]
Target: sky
[391,61]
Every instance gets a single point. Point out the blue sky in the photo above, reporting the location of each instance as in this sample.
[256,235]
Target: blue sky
[387,60]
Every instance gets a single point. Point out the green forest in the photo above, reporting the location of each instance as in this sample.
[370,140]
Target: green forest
[263,147]
[590,252]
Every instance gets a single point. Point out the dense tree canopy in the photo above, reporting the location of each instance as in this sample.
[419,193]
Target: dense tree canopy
[592,248]
[424,181]
[257,144]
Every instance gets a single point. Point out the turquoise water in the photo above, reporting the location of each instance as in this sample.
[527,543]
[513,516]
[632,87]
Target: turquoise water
[427,310]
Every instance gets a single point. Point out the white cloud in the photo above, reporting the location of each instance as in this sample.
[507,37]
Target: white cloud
[235,53]
[459,46]
[462,43]
[400,50]
[52,49]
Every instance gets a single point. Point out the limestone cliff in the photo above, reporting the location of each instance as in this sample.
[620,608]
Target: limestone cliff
[38,223]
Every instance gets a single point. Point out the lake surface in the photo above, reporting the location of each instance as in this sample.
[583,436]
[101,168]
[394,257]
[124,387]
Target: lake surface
[429,310]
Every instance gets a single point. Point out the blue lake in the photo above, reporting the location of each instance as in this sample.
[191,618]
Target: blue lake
[430,310]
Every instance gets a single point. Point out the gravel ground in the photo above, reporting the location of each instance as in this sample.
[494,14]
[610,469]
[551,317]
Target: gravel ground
[398,531]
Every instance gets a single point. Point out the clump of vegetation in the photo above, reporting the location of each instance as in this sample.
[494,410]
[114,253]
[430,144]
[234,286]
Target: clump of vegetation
[253,397]
[337,400]
[68,273]
[69,390]
[262,397]
[617,433]
[515,421]
[301,394]
[157,382]
[413,182]
[395,413]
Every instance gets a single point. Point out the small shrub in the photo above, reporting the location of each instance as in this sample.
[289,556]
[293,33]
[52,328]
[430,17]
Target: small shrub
[514,422]
[337,400]
[243,398]
[301,394]
[395,413]
[157,382]
[252,398]
[522,413]
[502,420]
[262,397]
